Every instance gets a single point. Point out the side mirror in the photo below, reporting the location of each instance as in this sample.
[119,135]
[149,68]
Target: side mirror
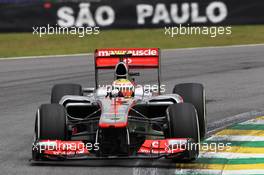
[139,92]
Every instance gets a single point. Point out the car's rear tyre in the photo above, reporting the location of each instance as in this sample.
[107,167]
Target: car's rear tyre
[60,90]
[183,123]
[194,93]
[50,124]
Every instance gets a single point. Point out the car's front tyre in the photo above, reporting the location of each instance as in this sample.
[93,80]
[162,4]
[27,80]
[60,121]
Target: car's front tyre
[50,124]
[183,123]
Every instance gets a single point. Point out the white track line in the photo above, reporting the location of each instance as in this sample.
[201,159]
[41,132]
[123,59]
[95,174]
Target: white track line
[253,122]
[223,172]
[229,155]
[221,124]
[89,54]
[235,138]
[216,47]
[47,56]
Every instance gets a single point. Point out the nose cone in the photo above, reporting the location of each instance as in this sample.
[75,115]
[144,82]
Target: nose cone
[121,71]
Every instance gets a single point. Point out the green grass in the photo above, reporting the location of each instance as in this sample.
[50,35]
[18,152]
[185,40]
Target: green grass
[26,44]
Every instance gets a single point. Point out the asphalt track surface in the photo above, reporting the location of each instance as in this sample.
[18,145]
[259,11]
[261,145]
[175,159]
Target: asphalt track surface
[233,78]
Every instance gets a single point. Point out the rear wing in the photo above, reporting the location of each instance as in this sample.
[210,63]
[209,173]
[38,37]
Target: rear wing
[135,58]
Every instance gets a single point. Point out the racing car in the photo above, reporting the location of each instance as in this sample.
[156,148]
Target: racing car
[124,120]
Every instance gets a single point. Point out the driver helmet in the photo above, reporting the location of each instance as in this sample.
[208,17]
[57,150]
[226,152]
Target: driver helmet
[124,86]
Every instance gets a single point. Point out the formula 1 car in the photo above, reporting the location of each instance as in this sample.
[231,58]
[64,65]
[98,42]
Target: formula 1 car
[124,120]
